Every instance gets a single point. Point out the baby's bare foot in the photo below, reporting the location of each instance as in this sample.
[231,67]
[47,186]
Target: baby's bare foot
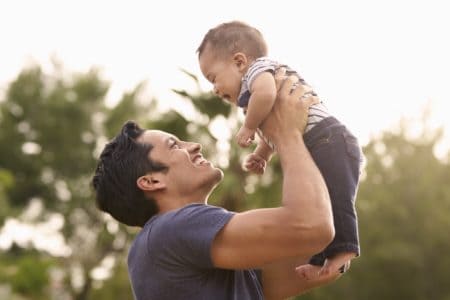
[338,263]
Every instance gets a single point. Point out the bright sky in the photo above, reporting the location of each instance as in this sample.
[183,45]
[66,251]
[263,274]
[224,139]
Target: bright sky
[372,62]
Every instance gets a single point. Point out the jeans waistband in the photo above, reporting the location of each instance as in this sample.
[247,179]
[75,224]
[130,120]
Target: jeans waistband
[316,130]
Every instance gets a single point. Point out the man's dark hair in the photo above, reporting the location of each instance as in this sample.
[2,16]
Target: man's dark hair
[229,38]
[121,163]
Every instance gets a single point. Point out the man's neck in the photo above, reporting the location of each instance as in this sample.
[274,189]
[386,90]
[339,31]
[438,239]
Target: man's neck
[167,204]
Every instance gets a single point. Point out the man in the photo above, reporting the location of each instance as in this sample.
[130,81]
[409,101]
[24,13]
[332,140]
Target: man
[188,249]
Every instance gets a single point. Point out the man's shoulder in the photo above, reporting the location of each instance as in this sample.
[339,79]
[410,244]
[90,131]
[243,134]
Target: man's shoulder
[190,227]
[186,216]
[190,217]
[197,215]
[191,210]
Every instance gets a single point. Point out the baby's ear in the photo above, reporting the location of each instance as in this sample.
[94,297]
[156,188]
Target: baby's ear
[240,59]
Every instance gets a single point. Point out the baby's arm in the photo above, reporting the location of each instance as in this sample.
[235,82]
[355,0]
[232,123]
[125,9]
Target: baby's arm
[256,162]
[263,150]
[263,94]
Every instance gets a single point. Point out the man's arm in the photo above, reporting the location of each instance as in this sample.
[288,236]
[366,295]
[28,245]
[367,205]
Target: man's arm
[303,225]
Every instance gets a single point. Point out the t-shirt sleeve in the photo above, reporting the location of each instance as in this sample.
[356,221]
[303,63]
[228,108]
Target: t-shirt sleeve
[256,69]
[189,233]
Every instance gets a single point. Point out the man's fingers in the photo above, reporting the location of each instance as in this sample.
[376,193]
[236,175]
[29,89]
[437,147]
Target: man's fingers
[314,100]
[309,100]
[287,85]
[280,75]
[305,94]
[300,90]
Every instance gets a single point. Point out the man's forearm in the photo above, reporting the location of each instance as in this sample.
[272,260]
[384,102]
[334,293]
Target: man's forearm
[305,215]
[304,189]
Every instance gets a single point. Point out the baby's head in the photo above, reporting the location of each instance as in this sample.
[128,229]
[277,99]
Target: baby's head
[225,55]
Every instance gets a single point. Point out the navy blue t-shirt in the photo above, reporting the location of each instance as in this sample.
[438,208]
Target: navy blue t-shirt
[171,259]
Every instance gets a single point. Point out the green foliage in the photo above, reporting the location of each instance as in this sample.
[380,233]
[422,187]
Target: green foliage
[30,278]
[26,271]
[128,108]
[6,182]
[116,287]
[50,128]
[52,125]
[207,103]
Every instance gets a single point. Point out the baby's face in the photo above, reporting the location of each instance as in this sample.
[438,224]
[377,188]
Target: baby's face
[223,73]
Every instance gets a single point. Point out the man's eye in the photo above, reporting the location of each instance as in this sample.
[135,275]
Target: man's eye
[175,146]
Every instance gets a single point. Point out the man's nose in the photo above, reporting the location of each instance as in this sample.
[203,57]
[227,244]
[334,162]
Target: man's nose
[194,147]
[215,90]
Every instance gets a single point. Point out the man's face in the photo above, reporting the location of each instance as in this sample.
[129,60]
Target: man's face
[188,172]
[223,73]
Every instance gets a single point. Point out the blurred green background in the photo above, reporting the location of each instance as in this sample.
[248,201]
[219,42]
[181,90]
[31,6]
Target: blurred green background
[55,244]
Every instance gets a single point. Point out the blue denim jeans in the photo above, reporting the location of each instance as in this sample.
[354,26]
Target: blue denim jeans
[338,156]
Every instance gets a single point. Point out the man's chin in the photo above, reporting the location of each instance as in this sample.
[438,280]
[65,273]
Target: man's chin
[219,175]
[216,178]
[213,181]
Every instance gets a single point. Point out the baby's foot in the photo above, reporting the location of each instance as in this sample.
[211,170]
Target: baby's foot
[308,271]
[338,263]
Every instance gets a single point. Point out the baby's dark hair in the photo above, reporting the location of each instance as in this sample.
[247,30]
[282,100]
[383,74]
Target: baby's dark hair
[229,38]
[121,163]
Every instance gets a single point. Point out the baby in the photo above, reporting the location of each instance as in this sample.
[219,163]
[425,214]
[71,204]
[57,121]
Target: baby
[233,57]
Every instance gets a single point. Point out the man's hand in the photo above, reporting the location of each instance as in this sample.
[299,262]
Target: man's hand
[245,136]
[339,263]
[255,163]
[289,113]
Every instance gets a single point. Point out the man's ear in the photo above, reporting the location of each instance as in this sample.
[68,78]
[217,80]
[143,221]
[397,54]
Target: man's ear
[151,182]
[240,59]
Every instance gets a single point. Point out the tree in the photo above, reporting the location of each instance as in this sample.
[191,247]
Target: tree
[51,128]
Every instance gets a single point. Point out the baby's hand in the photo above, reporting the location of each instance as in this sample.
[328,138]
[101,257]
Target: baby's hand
[255,164]
[245,136]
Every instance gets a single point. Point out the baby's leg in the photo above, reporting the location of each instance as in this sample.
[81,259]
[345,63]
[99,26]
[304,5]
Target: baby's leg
[338,263]
[338,156]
